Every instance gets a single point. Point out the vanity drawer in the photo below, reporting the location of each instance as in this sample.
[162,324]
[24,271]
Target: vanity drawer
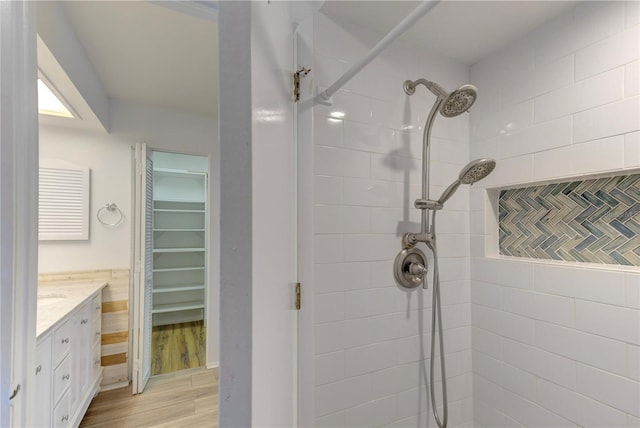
[61,379]
[62,412]
[62,341]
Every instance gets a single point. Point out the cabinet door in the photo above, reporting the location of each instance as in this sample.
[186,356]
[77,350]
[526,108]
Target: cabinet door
[83,322]
[62,412]
[96,362]
[40,409]
[63,338]
[63,379]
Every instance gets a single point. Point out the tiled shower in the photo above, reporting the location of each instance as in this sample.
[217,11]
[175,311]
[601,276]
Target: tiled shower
[528,341]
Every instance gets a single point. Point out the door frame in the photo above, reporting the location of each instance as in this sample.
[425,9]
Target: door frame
[19,207]
[211,288]
[303,123]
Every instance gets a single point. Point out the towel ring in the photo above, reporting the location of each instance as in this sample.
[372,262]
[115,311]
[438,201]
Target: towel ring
[112,208]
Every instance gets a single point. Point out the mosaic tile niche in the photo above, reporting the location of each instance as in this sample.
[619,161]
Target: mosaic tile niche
[594,221]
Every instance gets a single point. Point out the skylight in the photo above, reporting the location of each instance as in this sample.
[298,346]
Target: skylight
[49,103]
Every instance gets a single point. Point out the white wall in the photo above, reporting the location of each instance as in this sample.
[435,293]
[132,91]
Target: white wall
[556,344]
[164,129]
[110,161]
[109,157]
[367,174]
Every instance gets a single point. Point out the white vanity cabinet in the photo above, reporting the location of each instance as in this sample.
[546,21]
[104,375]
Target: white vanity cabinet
[68,371]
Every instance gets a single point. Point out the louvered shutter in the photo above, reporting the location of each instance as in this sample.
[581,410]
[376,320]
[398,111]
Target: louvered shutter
[63,212]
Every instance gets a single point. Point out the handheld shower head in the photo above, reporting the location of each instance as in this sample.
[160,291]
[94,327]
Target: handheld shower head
[474,171]
[459,101]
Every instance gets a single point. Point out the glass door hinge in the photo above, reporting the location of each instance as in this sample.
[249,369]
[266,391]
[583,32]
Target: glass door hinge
[296,82]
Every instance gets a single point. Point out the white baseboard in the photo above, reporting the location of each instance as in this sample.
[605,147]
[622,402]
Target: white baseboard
[114,386]
[213,365]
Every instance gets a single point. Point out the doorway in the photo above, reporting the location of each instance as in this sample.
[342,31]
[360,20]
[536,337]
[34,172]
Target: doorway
[170,255]
[180,218]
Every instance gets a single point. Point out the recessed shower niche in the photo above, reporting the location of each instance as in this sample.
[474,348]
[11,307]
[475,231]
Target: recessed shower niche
[594,221]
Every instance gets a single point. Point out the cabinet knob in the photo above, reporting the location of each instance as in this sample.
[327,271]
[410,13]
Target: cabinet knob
[65,340]
[66,377]
[97,308]
[97,333]
[97,361]
[65,418]
[84,321]
[38,369]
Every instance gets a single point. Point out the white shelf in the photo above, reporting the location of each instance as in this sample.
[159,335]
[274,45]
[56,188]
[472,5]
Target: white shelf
[178,250]
[180,201]
[178,172]
[178,230]
[179,269]
[179,288]
[180,205]
[168,210]
[174,307]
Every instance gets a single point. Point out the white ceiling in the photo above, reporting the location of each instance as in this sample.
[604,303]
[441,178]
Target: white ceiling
[149,54]
[463,30]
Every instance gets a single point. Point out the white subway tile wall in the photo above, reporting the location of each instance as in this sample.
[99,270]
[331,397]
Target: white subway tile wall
[371,337]
[555,344]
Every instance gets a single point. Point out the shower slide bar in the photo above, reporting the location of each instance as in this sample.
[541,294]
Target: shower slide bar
[325,96]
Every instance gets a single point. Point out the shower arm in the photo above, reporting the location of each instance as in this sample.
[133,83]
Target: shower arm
[437,90]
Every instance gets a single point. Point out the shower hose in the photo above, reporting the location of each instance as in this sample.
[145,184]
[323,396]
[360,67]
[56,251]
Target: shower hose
[436,315]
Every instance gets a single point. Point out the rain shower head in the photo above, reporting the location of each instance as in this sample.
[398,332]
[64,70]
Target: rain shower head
[459,101]
[454,103]
[474,171]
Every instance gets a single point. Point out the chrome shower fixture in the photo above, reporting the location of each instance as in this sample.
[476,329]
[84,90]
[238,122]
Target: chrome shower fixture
[449,104]
[474,171]
[454,103]
[410,267]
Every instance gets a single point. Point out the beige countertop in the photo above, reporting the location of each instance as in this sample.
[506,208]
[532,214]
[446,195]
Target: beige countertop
[57,301]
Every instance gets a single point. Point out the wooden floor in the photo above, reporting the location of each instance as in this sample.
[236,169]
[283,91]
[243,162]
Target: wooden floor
[177,347]
[182,399]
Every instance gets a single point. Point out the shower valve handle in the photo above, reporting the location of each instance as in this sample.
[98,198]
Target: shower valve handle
[417,269]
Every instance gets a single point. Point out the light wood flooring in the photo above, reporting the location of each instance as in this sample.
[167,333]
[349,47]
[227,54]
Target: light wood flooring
[182,399]
[177,347]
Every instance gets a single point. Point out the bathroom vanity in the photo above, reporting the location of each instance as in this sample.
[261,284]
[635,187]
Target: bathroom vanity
[67,365]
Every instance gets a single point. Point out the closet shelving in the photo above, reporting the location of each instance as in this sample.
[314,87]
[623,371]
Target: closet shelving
[179,246]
